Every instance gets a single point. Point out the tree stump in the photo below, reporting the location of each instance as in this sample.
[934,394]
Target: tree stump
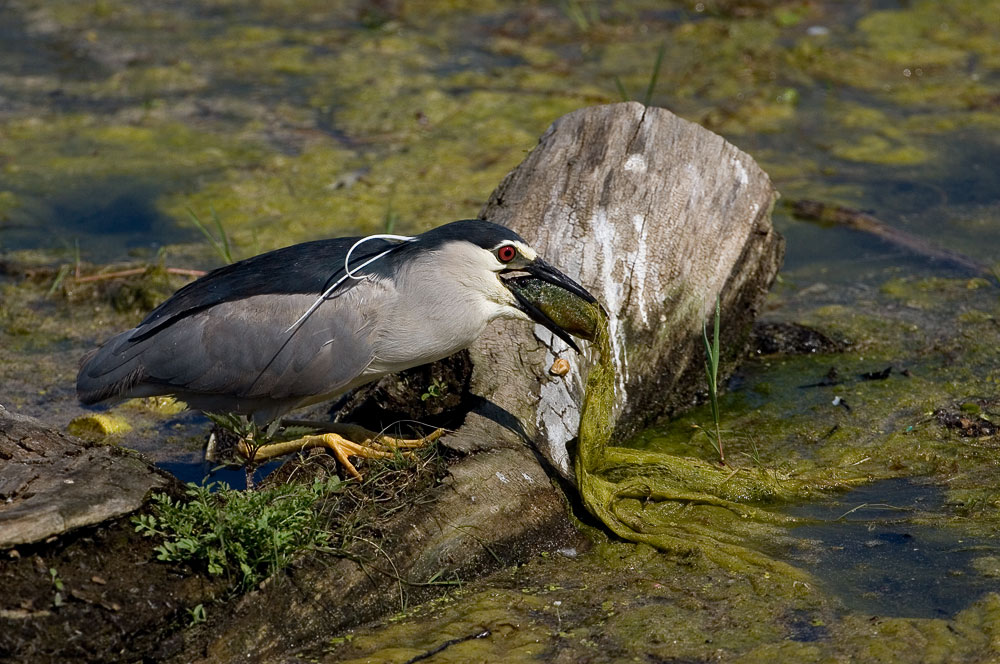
[656,216]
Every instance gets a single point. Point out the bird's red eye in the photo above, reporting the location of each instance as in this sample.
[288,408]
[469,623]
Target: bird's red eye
[506,253]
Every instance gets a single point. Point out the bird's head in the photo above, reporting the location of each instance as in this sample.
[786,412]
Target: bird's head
[496,264]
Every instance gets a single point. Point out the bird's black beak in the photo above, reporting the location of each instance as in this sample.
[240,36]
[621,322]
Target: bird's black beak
[542,270]
[555,301]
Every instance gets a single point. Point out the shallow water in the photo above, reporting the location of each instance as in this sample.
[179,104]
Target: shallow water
[871,550]
[194,468]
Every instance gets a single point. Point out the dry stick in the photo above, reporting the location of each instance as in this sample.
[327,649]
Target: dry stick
[860,221]
[136,271]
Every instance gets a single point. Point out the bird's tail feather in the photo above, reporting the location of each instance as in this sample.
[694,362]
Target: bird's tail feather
[110,372]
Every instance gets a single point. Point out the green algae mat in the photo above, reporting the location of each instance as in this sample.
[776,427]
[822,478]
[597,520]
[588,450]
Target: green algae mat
[856,520]
[660,499]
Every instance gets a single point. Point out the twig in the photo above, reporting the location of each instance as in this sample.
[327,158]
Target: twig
[862,506]
[137,271]
[447,644]
[730,475]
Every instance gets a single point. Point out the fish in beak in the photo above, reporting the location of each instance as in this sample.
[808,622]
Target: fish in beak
[555,301]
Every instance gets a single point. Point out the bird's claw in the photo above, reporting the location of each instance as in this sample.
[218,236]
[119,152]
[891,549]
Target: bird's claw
[343,445]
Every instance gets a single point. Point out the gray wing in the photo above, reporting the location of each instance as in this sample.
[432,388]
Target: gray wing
[239,355]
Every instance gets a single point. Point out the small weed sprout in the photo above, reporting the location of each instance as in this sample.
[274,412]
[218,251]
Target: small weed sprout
[245,535]
[57,583]
[222,245]
[583,14]
[197,615]
[712,371]
[754,454]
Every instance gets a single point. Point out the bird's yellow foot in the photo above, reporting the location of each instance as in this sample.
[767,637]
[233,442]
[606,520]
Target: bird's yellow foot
[349,440]
[369,438]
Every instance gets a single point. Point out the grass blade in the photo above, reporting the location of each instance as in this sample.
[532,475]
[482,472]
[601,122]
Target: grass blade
[621,90]
[712,353]
[227,253]
[655,75]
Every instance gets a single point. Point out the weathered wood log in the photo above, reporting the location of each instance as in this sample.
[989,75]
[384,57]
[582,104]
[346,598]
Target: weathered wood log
[80,584]
[51,483]
[656,216]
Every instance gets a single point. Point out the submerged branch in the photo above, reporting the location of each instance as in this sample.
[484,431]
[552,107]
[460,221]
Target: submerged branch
[810,210]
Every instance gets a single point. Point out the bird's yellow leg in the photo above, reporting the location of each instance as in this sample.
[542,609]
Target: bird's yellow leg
[340,447]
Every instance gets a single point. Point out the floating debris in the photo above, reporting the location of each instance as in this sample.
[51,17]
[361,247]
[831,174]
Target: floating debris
[876,375]
[98,426]
[791,339]
[832,378]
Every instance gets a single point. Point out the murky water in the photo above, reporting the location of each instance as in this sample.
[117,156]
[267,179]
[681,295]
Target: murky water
[885,550]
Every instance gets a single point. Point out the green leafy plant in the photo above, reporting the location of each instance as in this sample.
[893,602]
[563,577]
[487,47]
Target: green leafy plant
[244,535]
[712,371]
[435,390]
[251,435]
[246,430]
[255,437]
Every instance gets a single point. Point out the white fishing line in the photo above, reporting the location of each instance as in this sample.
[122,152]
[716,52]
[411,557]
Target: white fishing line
[349,273]
[377,236]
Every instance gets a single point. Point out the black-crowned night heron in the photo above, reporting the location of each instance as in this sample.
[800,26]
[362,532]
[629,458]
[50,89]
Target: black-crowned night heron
[309,322]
